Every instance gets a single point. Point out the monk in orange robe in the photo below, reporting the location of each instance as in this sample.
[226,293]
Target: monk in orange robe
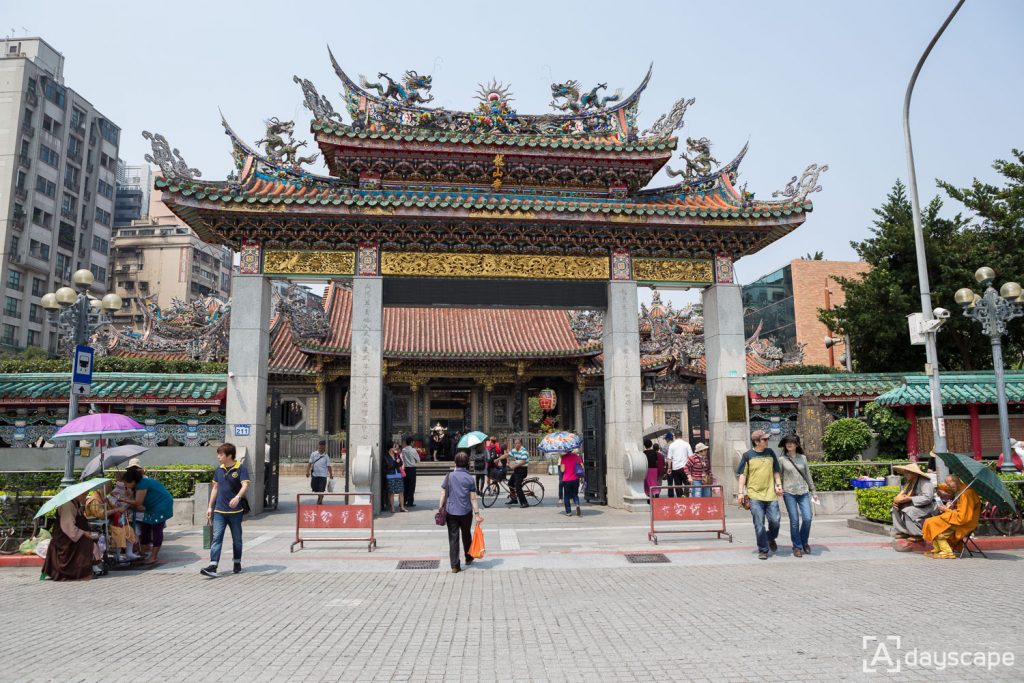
[953,523]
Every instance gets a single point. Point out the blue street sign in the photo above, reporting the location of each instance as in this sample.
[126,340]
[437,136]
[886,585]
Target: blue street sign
[243,430]
[82,368]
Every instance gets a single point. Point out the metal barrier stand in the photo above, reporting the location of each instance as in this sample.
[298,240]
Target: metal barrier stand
[687,509]
[348,515]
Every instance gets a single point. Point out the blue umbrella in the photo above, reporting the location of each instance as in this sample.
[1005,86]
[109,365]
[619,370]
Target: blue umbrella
[560,442]
[471,439]
[70,493]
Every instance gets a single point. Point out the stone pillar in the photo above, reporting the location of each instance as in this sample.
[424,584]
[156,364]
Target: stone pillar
[725,354]
[365,388]
[975,414]
[248,354]
[627,464]
[910,413]
[577,397]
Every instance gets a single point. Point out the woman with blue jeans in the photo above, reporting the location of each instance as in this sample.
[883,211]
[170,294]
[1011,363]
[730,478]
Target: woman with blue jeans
[797,492]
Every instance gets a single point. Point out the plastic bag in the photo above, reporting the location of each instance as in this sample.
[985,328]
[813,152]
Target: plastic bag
[42,547]
[476,548]
[28,546]
[330,485]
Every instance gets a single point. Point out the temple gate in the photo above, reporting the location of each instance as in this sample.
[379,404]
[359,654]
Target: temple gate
[432,207]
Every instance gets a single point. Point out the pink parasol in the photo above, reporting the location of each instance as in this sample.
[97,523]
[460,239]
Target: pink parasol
[98,426]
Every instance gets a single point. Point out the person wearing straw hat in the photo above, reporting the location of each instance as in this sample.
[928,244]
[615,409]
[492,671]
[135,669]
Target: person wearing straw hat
[954,522]
[697,469]
[913,504]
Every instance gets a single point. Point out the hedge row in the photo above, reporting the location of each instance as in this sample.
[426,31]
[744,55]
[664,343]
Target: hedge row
[115,364]
[180,484]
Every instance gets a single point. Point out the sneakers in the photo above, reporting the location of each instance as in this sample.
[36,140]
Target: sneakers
[773,546]
[210,571]
[568,513]
[762,556]
[237,569]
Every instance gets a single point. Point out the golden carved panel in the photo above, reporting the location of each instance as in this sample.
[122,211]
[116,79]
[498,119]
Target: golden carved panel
[291,262]
[501,213]
[422,264]
[670,270]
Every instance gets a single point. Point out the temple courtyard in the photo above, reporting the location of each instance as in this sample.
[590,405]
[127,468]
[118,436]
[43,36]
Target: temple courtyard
[554,599]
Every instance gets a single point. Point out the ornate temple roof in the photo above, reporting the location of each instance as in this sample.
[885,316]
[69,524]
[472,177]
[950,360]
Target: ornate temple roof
[51,388]
[585,164]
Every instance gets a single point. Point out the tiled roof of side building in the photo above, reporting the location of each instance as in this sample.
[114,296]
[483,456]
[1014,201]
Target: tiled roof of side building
[958,388]
[765,389]
[116,387]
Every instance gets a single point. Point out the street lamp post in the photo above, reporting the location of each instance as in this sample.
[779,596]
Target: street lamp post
[72,307]
[993,310]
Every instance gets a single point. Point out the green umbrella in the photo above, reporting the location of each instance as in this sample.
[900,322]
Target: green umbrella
[981,479]
[70,493]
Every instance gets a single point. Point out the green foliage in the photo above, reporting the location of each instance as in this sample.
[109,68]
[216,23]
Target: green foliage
[845,438]
[180,484]
[876,306]
[836,476]
[114,364]
[876,503]
[816,256]
[1016,490]
[804,370]
[890,427]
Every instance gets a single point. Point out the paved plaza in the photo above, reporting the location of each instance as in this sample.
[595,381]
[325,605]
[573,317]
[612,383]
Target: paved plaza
[554,600]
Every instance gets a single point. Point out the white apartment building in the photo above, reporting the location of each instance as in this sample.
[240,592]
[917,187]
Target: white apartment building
[58,164]
[159,258]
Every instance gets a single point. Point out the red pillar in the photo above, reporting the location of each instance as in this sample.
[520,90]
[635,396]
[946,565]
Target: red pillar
[910,412]
[975,429]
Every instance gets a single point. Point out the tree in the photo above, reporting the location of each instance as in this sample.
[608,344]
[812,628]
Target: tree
[874,313]
[816,256]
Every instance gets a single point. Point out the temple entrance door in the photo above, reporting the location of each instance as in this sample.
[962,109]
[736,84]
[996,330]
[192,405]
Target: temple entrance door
[697,415]
[595,461]
[270,467]
[452,409]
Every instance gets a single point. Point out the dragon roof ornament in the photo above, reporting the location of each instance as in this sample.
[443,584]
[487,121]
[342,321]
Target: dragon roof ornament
[579,102]
[395,106]
[666,124]
[308,323]
[169,160]
[798,190]
[318,104]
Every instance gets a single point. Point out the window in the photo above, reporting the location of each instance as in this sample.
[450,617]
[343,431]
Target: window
[77,118]
[72,176]
[8,335]
[99,244]
[38,286]
[54,92]
[109,131]
[63,271]
[99,273]
[75,149]
[105,189]
[48,156]
[66,236]
[68,206]
[51,126]
[46,187]
[39,250]
[102,217]
[33,338]
[35,313]
[11,307]
[14,280]
[15,243]
[40,217]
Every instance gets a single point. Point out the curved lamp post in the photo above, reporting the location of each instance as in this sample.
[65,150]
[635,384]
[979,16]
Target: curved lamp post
[993,310]
[72,308]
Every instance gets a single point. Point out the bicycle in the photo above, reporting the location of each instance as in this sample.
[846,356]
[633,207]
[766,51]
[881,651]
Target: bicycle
[1007,525]
[532,489]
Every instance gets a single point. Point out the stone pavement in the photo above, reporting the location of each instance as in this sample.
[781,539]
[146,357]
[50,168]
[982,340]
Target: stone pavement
[553,600]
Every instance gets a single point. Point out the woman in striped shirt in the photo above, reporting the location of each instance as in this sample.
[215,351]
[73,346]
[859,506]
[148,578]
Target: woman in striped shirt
[697,468]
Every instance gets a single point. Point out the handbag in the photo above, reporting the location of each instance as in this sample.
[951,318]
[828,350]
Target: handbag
[579,470]
[441,516]
[207,536]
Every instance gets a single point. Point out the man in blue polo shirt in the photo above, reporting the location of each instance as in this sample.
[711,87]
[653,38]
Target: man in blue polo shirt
[227,505]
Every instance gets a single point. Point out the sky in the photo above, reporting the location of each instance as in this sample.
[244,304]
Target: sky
[814,81]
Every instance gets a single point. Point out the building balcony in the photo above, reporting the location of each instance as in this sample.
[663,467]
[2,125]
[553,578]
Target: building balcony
[12,312]
[18,224]
[32,98]
[24,161]
[28,130]
[76,158]
[13,257]
[21,193]
[79,130]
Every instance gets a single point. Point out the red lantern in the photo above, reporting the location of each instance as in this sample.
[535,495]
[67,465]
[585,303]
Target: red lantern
[547,399]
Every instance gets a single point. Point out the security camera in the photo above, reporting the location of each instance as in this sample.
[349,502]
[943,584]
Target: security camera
[941,313]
